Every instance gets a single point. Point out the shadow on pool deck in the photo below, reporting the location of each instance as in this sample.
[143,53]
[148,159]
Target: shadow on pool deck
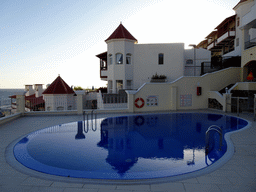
[238,174]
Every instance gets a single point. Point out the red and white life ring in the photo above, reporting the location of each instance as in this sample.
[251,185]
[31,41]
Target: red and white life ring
[137,101]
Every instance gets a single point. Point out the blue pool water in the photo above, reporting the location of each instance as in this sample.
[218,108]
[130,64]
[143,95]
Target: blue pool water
[127,147]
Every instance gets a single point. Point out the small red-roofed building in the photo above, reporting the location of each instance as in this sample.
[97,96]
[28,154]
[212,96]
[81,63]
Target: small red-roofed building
[59,96]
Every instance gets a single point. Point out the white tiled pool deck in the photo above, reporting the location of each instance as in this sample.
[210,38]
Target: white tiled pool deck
[238,174]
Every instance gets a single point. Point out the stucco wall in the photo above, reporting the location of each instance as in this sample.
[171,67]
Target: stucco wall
[122,71]
[245,86]
[146,62]
[201,55]
[59,100]
[170,94]
[248,55]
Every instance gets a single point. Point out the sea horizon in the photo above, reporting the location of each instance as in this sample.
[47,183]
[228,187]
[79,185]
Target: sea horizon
[6,92]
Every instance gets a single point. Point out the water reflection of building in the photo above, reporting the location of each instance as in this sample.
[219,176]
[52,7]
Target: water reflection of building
[153,136]
[130,138]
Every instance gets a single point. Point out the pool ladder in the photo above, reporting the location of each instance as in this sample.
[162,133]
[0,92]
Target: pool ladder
[207,133]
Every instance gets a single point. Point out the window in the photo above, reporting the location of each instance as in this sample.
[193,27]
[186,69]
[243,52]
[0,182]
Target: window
[128,58]
[119,84]
[238,21]
[189,62]
[110,59]
[160,58]
[237,42]
[129,84]
[119,58]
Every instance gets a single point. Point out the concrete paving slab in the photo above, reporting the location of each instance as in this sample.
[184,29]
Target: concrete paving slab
[213,180]
[91,186]
[70,185]
[7,188]
[46,189]
[134,187]
[32,181]
[179,187]
[237,188]
[191,187]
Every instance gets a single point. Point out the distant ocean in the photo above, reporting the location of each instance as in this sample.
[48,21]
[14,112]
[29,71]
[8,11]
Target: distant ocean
[5,101]
[5,93]
[4,96]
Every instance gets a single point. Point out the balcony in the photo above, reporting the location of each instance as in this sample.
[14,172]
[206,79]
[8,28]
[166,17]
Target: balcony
[211,45]
[103,74]
[226,37]
[214,47]
[250,43]
[103,65]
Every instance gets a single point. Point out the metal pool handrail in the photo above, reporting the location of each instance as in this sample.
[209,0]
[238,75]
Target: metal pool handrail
[212,128]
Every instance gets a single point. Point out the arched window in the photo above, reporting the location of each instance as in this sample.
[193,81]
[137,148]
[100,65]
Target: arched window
[160,58]
[119,58]
[128,58]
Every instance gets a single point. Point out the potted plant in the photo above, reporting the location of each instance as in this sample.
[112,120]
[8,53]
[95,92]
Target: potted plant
[158,78]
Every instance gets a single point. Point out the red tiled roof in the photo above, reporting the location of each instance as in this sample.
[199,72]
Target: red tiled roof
[239,3]
[121,33]
[58,86]
[34,100]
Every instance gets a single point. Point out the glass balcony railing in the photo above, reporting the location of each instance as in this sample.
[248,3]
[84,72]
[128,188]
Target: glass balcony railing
[250,43]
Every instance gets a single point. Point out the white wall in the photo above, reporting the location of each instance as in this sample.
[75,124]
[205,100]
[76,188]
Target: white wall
[54,102]
[29,89]
[201,55]
[146,62]
[122,71]
[244,12]
[182,94]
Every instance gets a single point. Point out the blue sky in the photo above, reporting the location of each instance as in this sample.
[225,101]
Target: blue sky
[41,39]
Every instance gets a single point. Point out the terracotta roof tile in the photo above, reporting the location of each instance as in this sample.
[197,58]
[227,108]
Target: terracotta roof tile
[59,86]
[121,33]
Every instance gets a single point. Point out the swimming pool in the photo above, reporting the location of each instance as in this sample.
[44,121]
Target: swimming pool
[127,147]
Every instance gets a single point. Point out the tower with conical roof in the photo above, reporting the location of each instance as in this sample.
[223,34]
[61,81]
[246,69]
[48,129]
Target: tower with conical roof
[120,59]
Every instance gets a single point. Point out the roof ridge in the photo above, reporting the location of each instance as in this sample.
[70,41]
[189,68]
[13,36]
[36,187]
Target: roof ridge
[121,33]
[58,86]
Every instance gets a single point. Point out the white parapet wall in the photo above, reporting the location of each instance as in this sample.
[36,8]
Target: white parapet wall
[182,93]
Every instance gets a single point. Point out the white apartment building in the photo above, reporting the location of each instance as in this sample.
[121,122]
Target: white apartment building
[226,39]
[128,65]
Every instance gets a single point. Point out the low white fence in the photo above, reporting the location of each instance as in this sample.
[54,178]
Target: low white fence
[110,101]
